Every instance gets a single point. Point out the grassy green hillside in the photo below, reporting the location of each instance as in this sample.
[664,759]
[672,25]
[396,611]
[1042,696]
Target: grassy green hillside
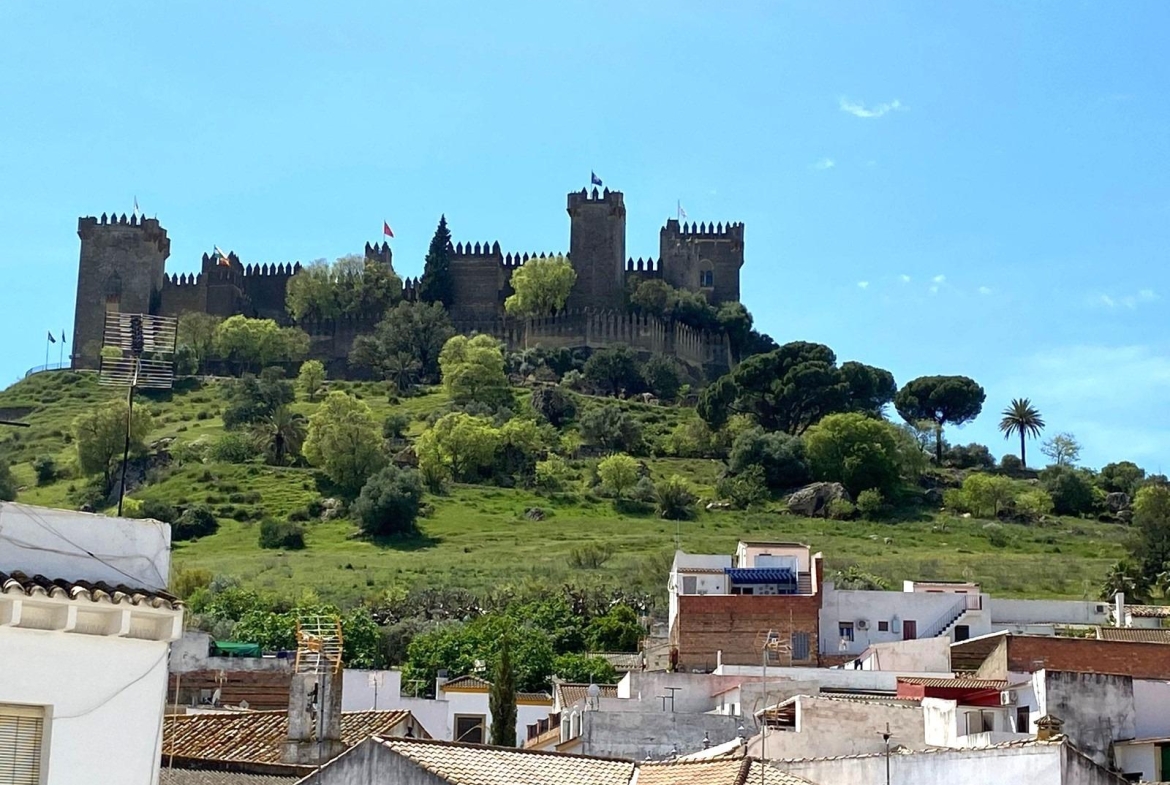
[478,537]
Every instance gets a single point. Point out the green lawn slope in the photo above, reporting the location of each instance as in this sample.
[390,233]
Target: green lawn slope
[480,537]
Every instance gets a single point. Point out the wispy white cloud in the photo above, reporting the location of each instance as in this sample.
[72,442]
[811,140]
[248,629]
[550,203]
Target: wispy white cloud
[939,278]
[905,278]
[824,163]
[858,109]
[985,290]
[934,289]
[1130,301]
[863,284]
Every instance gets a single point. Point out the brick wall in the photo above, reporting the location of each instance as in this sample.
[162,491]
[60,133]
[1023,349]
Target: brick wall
[1027,654]
[735,624]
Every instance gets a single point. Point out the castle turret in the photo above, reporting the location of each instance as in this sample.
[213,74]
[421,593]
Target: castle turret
[702,258]
[121,268]
[380,253]
[597,248]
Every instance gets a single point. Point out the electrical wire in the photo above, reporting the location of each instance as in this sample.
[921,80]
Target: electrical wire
[162,658]
[36,518]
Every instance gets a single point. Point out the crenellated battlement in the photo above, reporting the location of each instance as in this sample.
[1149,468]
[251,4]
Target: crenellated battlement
[183,280]
[704,231]
[276,270]
[518,259]
[89,226]
[477,251]
[604,196]
[640,265]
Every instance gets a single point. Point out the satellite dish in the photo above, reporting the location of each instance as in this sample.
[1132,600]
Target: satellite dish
[245,705]
[215,696]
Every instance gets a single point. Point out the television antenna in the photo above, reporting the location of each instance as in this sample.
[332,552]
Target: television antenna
[319,650]
[138,350]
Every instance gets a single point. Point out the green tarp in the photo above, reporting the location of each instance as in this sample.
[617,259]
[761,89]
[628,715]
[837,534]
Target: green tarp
[232,649]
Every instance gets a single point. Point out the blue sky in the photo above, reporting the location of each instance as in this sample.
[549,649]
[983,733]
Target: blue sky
[932,188]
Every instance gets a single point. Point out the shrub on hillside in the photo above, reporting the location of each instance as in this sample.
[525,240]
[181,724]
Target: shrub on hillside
[614,370]
[842,509]
[663,376]
[871,504]
[692,439]
[1011,464]
[395,425]
[1035,503]
[233,447]
[744,489]
[971,456]
[159,510]
[779,455]
[196,521]
[554,405]
[1071,490]
[618,473]
[253,398]
[611,428]
[287,535]
[551,473]
[389,502]
[675,499]
[590,556]
[45,468]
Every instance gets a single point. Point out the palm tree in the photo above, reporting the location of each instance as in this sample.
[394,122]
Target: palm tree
[1022,418]
[282,434]
[402,369]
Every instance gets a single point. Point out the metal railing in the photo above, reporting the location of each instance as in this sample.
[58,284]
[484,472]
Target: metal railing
[62,366]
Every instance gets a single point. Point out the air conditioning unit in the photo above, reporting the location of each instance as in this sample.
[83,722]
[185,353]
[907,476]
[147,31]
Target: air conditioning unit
[1008,697]
[861,624]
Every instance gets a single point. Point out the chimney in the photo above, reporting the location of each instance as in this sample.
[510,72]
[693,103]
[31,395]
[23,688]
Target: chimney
[1119,613]
[440,680]
[1048,727]
[314,718]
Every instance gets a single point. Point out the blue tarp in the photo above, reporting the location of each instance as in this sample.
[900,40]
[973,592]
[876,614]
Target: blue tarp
[760,575]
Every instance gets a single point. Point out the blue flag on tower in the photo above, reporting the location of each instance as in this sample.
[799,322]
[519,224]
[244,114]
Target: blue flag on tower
[594,179]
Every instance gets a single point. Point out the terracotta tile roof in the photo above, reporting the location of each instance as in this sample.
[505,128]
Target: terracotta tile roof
[208,777]
[40,586]
[471,764]
[467,683]
[571,693]
[721,771]
[1148,611]
[257,736]
[1133,635]
[957,684]
[623,662]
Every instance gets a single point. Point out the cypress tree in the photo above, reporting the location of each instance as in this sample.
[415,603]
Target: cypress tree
[502,700]
[436,284]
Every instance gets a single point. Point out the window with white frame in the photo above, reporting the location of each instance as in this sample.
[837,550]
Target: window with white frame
[21,744]
[980,722]
[470,728]
[845,630]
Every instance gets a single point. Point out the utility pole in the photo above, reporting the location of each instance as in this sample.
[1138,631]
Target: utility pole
[886,739]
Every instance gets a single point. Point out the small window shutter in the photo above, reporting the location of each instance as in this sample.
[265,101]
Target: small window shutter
[800,645]
[21,730]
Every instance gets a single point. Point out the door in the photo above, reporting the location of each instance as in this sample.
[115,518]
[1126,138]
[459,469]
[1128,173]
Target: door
[909,630]
[962,632]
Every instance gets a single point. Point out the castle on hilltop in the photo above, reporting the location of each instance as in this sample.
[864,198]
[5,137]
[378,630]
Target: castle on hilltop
[123,268]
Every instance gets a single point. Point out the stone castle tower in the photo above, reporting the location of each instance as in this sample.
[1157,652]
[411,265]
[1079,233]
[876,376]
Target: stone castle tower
[122,267]
[123,261]
[597,249]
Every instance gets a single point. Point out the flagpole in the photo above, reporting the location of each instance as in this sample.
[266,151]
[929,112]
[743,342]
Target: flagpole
[46,352]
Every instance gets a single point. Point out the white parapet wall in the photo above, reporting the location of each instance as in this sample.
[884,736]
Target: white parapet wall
[78,546]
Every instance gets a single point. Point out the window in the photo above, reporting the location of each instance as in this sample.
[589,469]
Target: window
[980,722]
[706,279]
[800,645]
[962,632]
[21,733]
[1023,719]
[469,728]
[690,584]
[883,626]
[845,630]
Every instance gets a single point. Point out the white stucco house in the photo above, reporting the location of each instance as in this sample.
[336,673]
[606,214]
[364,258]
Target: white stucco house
[468,713]
[85,631]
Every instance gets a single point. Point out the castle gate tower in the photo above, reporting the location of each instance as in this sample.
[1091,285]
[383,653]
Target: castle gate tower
[121,269]
[597,249]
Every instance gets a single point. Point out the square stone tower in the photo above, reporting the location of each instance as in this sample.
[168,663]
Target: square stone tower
[597,249]
[123,262]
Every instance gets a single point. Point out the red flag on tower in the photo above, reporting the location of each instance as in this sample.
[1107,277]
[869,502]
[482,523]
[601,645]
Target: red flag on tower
[386,229]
